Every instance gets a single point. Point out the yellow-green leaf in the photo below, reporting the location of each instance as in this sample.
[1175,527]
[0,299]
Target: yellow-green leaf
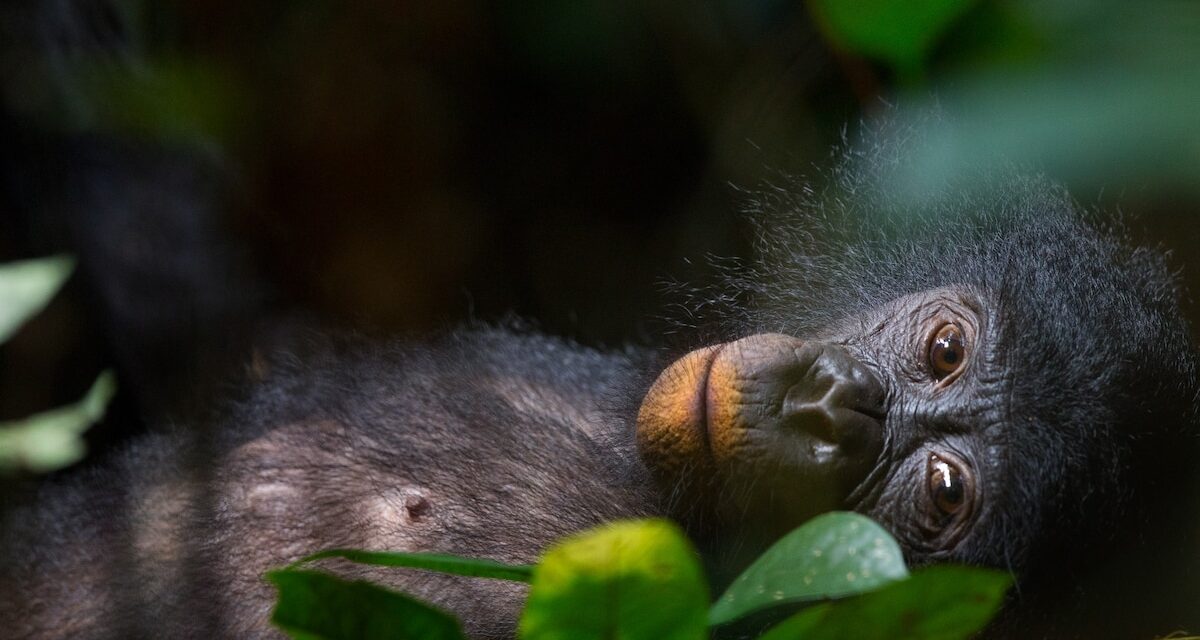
[638,580]
[26,287]
[51,440]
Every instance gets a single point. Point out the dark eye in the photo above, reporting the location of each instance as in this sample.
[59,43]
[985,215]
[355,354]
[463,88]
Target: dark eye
[947,351]
[947,487]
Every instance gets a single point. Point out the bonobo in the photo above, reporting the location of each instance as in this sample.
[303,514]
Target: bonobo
[992,377]
[996,381]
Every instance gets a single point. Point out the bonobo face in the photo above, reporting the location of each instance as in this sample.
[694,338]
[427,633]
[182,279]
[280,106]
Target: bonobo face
[891,413]
[985,373]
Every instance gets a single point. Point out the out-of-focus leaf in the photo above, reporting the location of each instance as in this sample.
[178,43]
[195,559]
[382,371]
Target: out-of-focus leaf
[26,287]
[898,32]
[443,563]
[937,603]
[579,43]
[993,35]
[172,99]
[832,555]
[315,605]
[1099,109]
[630,580]
[50,440]
[1089,127]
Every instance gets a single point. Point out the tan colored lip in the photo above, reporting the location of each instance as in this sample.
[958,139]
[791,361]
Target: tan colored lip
[672,430]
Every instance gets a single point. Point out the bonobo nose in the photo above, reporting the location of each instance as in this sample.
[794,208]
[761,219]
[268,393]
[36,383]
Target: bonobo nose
[799,420]
[766,408]
[836,399]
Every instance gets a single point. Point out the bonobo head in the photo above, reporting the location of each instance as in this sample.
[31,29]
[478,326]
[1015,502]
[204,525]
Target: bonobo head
[992,379]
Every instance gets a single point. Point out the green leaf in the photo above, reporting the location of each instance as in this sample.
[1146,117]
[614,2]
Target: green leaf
[51,440]
[173,98]
[26,287]
[901,33]
[315,605]
[944,602]
[444,563]
[626,580]
[832,555]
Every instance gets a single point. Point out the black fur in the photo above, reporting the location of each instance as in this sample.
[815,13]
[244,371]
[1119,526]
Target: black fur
[369,446]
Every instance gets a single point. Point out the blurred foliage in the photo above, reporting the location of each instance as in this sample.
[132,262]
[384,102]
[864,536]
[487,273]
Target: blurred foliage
[899,33]
[26,287]
[443,563]
[49,440]
[314,605]
[1099,93]
[174,100]
[1108,97]
[641,580]
[408,165]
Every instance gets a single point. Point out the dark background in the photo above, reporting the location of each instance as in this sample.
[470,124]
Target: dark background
[404,166]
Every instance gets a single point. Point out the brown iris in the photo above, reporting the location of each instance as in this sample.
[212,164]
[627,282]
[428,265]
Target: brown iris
[947,351]
[947,487]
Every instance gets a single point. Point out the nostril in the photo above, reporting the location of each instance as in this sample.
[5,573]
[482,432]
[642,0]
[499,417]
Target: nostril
[838,400]
[859,433]
[816,421]
[856,386]
[870,404]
